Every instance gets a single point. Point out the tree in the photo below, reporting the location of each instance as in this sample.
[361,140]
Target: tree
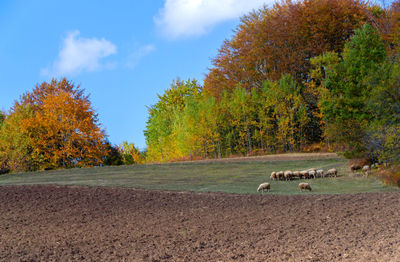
[15,150]
[162,124]
[113,158]
[2,118]
[130,154]
[346,87]
[289,111]
[282,40]
[58,128]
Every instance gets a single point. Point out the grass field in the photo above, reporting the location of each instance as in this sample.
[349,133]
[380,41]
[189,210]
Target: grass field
[220,176]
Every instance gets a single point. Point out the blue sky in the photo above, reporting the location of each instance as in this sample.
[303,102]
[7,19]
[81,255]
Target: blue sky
[123,53]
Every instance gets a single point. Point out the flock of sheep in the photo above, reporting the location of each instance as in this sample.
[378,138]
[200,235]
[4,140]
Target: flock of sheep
[289,175]
[307,174]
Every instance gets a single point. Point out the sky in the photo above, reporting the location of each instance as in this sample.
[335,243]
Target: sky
[123,53]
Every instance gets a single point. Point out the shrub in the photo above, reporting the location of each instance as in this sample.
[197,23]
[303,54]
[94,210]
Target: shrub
[391,175]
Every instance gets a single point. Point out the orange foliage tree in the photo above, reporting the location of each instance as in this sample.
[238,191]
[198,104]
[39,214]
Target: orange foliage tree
[270,42]
[63,129]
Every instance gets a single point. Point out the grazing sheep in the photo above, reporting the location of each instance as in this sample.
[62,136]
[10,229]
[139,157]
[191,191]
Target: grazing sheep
[304,186]
[279,175]
[312,173]
[355,167]
[296,174]
[304,174]
[367,170]
[320,173]
[264,186]
[273,176]
[288,175]
[332,172]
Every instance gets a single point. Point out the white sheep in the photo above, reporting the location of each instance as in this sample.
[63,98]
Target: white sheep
[296,174]
[332,172]
[304,186]
[288,175]
[273,176]
[304,174]
[264,186]
[367,170]
[279,175]
[312,173]
[320,173]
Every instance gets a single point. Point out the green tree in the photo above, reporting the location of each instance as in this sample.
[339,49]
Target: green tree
[130,154]
[160,136]
[113,158]
[345,88]
[15,149]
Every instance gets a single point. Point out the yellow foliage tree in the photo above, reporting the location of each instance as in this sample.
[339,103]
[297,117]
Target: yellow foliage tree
[63,129]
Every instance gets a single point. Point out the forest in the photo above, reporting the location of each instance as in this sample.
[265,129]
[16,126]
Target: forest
[300,76]
[304,75]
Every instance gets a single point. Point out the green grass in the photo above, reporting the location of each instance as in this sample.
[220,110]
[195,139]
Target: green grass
[233,177]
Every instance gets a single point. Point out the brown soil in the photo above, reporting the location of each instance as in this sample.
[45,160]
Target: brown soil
[50,223]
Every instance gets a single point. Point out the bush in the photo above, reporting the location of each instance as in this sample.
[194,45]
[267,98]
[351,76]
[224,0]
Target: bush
[391,175]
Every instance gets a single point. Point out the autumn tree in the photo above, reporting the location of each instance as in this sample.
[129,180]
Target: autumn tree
[161,139]
[58,126]
[282,39]
[15,149]
[130,154]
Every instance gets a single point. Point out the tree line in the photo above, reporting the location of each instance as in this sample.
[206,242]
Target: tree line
[297,74]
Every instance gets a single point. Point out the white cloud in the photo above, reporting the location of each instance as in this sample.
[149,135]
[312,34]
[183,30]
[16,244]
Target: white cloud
[135,56]
[80,54]
[183,18]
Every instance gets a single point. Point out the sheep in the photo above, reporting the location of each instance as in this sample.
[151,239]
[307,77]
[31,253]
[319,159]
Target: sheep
[264,186]
[332,172]
[304,174]
[305,186]
[273,176]
[288,175]
[279,175]
[355,167]
[312,173]
[296,174]
[367,170]
[320,173]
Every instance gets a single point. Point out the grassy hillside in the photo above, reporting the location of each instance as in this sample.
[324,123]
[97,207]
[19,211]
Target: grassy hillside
[235,176]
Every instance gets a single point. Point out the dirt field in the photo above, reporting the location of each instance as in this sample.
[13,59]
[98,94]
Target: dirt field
[47,223]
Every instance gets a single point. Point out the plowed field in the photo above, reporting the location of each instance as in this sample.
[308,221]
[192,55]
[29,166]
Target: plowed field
[47,223]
